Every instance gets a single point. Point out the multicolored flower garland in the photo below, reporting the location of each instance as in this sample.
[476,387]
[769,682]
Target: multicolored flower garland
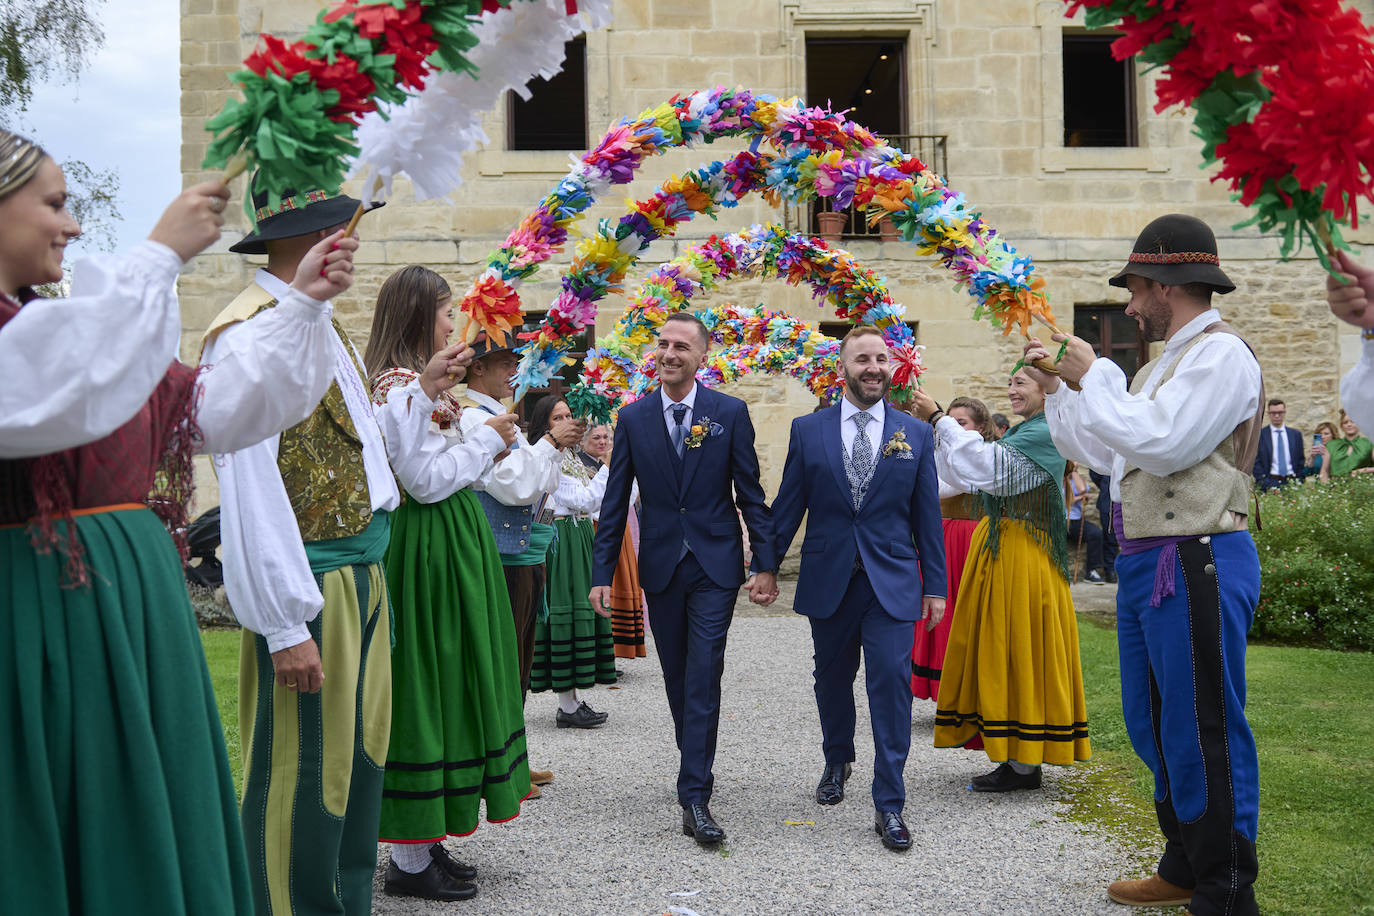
[1281,92]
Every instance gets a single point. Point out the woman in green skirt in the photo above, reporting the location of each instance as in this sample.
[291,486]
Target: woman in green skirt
[118,794]
[457,726]
[574,647]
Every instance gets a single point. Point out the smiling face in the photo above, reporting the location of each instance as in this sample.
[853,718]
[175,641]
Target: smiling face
[867,370]
[560,411]
[680,354]
[491,374]
[1148,308]
[1027,398]
[597,442]
[35,228]
[443,322]
[1349,428]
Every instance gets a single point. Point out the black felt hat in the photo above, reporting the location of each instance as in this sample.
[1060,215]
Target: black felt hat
[483,345]
[1174,250]
[295,214]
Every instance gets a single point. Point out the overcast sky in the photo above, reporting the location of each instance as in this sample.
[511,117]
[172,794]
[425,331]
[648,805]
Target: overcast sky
[123,114]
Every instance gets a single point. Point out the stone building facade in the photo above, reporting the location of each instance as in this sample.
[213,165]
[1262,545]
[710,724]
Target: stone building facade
[987,75]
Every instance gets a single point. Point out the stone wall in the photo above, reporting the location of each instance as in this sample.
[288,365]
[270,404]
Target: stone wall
[984,72]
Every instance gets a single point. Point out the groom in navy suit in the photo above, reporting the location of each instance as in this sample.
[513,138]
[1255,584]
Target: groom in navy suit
[864,473]
[692,451]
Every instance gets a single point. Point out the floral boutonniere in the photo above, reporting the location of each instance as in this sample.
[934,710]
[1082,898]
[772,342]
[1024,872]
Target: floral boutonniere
[897,445]
[703,429]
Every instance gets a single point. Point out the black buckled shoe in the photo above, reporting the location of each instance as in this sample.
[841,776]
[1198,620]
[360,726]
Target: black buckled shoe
[830,790]
[698,824]
[432,884]
[890,826]
[1006,779]
[455,869]
[583,717]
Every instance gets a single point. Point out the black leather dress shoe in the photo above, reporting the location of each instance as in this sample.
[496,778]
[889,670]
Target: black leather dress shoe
[830,790]
[1006,779]
[455,869]
[583,717]
[890,826]
[698,824]
[432,884]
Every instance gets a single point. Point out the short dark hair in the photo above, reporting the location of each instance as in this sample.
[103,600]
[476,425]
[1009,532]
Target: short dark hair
[1277,402]
[1201,291]
[862,330]
[1000,421]
[689,318]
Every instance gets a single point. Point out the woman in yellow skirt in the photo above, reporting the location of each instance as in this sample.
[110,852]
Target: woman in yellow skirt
[1012,672]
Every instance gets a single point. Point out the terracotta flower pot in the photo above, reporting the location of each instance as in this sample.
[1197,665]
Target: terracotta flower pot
[832,224]
[888,230]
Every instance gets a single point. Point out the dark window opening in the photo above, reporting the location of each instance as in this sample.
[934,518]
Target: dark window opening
[1113,334]
[867,75]
[555,116]
[1099,93]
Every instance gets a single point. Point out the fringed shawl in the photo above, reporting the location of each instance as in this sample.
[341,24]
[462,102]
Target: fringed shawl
[1032,491]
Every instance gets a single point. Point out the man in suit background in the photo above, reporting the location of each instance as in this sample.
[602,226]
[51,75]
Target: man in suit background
[692,451]
[1279,458]
[864,473]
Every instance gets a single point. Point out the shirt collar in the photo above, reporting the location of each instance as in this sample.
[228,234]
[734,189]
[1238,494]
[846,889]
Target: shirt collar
[272,283]
[481,399]
[848,409]
[690,400]
[1192,329]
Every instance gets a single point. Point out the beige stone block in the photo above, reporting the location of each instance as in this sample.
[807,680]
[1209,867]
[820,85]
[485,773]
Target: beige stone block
[967,42]
[630,14]
[204,78]
[675,16]
[1018,162]
[421,253]
[641,72]
[1019,39]
[209,28]
[727,43]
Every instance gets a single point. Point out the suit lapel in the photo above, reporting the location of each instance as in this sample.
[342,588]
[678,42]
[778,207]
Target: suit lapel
[833,446]
[691,458]
[880,467]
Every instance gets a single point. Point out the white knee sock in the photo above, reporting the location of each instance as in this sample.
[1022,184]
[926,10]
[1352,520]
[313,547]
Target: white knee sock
[411,857]
[567,701]
[1023,769]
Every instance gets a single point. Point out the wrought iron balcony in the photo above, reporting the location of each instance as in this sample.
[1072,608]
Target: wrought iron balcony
[929,148]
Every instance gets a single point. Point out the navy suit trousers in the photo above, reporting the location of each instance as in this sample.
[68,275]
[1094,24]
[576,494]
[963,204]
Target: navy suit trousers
[690,620]
[860,621]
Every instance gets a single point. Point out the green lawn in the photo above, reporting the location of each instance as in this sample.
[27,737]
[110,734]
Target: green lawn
[1310,712]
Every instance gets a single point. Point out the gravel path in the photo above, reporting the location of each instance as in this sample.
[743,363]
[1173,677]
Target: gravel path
[606,835]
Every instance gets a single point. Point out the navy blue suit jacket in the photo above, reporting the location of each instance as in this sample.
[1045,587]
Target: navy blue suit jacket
[896,530]
[1264,458]
[695,497]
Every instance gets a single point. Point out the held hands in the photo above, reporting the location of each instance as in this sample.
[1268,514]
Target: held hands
[192,221]
[600,599]
[1350,302]
[763,588]
[505,426]
[327,269]
[299,668]
[446,369]
[932,611]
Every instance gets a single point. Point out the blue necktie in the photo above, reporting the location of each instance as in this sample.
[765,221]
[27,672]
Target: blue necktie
[679,431]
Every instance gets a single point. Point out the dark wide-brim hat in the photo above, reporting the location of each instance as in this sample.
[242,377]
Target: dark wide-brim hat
[295,214]
[485,346]
[1174,250]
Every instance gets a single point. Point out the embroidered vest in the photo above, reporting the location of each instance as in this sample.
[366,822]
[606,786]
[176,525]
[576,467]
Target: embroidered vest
[321,458]
[510,525]
[1206,498]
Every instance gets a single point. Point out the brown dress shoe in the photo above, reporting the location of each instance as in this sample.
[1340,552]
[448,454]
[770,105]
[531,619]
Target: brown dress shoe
[534,792]
[541,777]
[1151,891]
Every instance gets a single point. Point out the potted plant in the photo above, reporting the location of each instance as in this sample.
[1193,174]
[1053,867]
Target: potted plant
[832,224]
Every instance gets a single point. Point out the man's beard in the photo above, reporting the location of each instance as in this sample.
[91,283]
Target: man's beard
[853,384]
[1155,323]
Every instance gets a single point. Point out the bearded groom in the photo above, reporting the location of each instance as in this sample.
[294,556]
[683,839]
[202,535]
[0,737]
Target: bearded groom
[864,474]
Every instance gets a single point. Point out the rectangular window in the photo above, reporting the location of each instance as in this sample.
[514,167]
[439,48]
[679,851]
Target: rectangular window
[1099,93]
[555,116]
[1113,334]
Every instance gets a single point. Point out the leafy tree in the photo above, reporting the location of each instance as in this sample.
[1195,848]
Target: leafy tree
[43,41]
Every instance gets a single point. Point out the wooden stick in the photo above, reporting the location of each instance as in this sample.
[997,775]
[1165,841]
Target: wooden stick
[235,167]
[1047,365]
[362,208]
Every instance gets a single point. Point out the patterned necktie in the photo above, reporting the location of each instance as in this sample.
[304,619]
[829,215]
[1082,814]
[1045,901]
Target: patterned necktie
[858,464]
[679,431]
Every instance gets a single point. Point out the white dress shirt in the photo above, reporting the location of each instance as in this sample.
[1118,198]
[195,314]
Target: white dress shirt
[668,404]
[266,573]
[1357,388]
[576,498]
[123,326]
[849,429]
[527,474]
[1278,444]
[432,464]
[1215,388]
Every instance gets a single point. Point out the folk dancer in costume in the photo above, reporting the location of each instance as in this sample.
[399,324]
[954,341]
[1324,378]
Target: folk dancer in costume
[117,789]
[863,474]
[1012,672]
[1180,443]
[572,644]
[304,523]
[1352,300]
[457,729]
[514,496]
[959,515]
[627,598]
[692,451]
